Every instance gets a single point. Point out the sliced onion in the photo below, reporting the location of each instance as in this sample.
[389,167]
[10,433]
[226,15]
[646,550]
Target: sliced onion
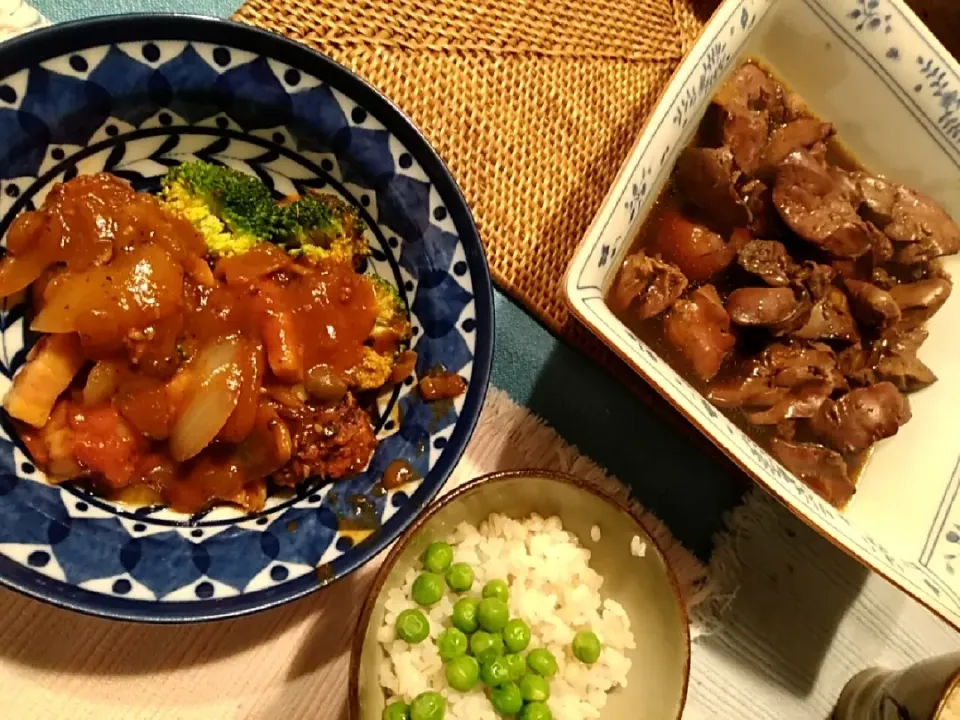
[211,399]
[241,421]
[199,271]
[284,351]
[135,290]
[17,272]
[137,496]
[101,383]
[70,296]
[268,447]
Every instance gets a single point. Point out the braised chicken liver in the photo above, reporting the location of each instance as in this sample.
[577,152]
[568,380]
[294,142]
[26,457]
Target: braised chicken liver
[789,284]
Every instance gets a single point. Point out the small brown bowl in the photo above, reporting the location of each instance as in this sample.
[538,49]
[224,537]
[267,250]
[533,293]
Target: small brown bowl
[645,586]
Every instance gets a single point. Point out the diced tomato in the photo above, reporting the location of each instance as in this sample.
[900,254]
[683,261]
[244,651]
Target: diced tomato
[106,444]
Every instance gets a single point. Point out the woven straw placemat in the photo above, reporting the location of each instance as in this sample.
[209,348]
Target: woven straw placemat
[533,104]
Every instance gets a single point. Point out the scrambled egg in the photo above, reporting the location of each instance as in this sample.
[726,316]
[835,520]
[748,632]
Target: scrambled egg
[219,239]
[373,371]
[342,250]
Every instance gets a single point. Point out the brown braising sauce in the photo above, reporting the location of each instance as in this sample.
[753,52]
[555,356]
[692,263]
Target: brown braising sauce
[399,473]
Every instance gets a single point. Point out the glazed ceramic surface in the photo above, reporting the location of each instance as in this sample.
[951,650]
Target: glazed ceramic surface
[135,96]
[645,586]
[872,69]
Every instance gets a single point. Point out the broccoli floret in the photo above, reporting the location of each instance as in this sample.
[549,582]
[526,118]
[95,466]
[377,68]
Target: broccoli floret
[391,330]
[324,227]
[233,211]
[393,324]
[389,303]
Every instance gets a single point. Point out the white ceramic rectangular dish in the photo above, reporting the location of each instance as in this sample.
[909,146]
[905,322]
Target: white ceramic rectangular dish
[893,92]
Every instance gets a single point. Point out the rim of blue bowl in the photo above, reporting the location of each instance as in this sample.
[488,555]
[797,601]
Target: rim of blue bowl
[39,45]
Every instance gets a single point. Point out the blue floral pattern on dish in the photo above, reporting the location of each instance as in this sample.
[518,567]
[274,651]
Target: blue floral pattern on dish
[930,74]
[712,65]
[136,108]
[943,86]
[868,15]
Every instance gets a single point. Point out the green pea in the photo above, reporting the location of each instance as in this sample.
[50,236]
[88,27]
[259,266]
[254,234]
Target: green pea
[506,699]
[496,589]
[427,589]
[496,672]
[517,665]
[398,710]
[428,706]
[437,557]
[493,614]
[586,647]
[465,615]
[451,643]
[542,662]
[535,711]
[534,688]
[462,673]
[412,626]
[460,577]
[516,635]
[486,646]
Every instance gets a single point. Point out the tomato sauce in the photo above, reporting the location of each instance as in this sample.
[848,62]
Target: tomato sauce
[174,344]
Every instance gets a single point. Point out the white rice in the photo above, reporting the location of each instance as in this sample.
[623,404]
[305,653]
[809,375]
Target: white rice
[552,588]
[595,533]
[638,548]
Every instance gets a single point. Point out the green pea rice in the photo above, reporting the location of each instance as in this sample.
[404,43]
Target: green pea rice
[552,588]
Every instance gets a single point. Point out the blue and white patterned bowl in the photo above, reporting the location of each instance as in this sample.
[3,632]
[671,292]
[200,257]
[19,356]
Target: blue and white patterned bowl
[134,95]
